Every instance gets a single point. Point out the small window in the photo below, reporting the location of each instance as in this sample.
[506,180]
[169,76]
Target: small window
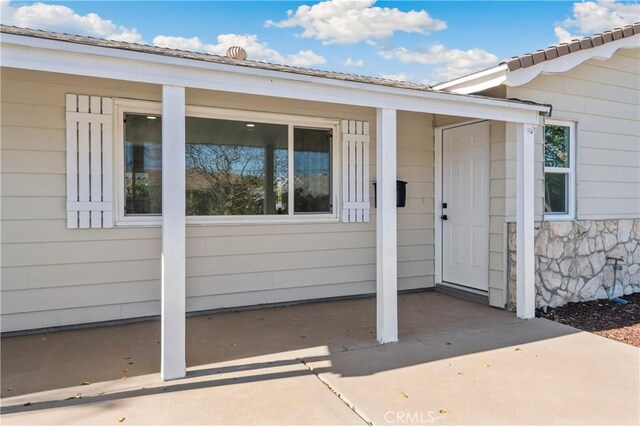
[312,170]
[559,169]
[143,164]
[255,167]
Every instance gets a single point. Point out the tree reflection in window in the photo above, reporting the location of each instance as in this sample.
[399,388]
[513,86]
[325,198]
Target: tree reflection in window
[556,146]
[235,168]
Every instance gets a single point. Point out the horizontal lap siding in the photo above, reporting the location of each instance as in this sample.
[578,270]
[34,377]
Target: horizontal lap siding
[416,165]
[55,276]
[604,98]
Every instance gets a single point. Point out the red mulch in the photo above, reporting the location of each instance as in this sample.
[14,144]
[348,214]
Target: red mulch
[601,317]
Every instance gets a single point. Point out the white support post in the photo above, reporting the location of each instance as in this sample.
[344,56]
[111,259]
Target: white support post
[173,363]
[386,228]
[526,291]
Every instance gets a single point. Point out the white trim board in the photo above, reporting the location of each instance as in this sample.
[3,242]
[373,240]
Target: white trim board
[94,61]
[500,74]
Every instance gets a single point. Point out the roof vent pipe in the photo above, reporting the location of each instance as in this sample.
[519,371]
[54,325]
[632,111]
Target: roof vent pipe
[236,52]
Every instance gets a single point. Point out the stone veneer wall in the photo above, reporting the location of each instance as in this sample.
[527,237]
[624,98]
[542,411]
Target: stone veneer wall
[571,260]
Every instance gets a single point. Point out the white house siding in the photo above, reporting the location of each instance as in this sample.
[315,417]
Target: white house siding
[54,276]
[603,97]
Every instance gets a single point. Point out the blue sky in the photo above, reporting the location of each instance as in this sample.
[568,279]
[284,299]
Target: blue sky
[416,41]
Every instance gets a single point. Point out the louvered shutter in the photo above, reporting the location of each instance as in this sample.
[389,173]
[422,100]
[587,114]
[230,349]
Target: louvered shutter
[355,171]
[89,162]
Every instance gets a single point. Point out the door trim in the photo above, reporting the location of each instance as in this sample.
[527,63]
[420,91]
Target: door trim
[439,130]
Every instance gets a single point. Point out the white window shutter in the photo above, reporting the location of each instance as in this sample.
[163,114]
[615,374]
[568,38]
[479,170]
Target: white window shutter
[355,171]
[89,162]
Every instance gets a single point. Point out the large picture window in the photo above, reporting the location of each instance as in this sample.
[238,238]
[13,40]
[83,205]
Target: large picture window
[559,169]
[254,167]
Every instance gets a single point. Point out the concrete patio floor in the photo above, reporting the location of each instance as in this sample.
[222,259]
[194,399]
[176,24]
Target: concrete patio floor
[457,362]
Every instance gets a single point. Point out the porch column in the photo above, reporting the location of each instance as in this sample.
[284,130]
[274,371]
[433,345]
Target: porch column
[173,364]
[526,291]
[386,228]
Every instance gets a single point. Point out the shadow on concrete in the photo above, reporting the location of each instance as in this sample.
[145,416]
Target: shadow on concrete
[433,326]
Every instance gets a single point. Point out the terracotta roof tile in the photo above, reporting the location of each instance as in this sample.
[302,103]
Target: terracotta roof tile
[551,53]
[539,56]
[562,49]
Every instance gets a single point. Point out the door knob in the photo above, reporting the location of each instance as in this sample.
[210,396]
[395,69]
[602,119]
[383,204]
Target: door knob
[444,217]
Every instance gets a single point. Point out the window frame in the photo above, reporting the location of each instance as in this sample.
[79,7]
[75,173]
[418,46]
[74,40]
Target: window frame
[128,106]
[570,171]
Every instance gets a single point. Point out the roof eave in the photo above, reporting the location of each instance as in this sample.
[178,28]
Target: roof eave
[501,74]
[93,61]
[476,82]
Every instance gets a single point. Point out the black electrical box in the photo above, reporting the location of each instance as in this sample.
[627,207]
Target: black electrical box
[401,193]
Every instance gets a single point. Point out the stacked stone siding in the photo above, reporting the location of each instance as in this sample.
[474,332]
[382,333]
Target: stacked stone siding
[572,264]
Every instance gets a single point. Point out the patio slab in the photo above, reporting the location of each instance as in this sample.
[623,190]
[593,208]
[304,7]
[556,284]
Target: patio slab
[458,362]
[531,372]
[254,391]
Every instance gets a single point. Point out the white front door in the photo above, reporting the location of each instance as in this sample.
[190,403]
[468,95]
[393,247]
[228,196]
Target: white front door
[465,205]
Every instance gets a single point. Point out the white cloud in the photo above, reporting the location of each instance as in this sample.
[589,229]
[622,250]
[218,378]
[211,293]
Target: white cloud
[256,50]
[63,19]
[305,58]
[399,77]
[594,17]
[453,62]
[349,21]
[354,62]
[563,35]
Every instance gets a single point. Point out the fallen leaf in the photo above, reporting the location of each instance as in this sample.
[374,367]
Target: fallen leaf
[130,363]
[442,411]
[44,338]
[234,344]
[121,419]
[460,374]
[27,404]
[518,349]
[259,318]
[85,383]
[404,395]
[76,396]
[486,365]
[124,378]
